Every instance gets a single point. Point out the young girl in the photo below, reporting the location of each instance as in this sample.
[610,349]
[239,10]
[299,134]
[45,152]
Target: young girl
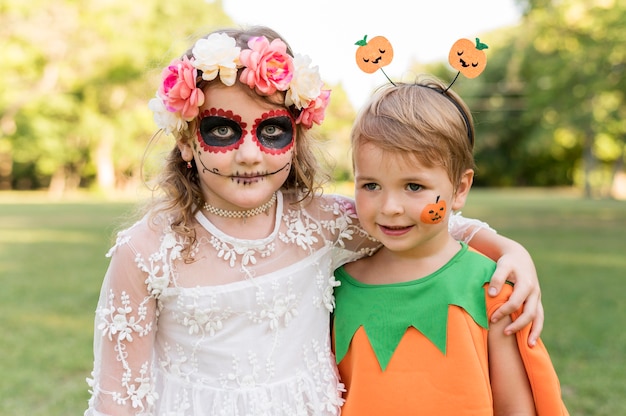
[217,301]
[411,332]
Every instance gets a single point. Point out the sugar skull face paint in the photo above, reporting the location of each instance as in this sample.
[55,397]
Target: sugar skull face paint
[221,131]
[274,132]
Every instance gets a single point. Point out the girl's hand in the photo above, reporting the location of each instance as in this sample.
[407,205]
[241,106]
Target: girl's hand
[514,264]
[517,266]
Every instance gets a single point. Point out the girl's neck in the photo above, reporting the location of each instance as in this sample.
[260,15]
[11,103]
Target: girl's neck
[244,214]
[251,224]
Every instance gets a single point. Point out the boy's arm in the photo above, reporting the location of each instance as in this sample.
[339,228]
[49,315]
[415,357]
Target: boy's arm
[510,387]
[515,264]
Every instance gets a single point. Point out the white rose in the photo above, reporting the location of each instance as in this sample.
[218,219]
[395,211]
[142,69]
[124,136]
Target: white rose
[164,119]
[306,83]
[217,54]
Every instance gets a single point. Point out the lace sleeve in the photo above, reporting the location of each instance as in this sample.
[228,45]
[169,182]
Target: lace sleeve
[122,380]
[464,229]
[338,216]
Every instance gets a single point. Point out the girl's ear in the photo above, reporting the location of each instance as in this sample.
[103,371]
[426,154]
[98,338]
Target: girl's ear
[462,190]
[185,151]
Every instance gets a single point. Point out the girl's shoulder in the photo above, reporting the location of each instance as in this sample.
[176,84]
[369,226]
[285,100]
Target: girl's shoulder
[144,235]
[326,206]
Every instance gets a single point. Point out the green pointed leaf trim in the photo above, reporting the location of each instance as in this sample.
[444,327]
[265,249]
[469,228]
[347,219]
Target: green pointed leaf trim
[386,311]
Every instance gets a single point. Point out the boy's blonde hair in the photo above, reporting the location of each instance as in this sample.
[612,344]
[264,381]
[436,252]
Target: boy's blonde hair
[420,121]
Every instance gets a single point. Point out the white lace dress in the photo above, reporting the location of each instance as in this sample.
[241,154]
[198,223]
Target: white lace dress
[243,329]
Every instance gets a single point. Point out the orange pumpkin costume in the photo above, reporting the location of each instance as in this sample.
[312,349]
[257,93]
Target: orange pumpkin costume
[420,347]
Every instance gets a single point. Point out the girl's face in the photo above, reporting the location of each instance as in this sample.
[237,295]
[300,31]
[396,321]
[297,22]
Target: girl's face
[402,203]
[243,148]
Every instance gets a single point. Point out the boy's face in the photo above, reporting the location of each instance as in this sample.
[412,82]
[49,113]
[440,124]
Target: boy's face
[243,148]
[402,203]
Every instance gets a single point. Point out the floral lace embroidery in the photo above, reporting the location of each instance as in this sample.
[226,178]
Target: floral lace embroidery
[120,323]
[229,252]
[302,230]
[203,321]
[177,365]
[315,359]
[299,231]
[279,310]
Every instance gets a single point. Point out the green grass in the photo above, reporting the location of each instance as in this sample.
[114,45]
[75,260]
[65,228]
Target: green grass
[579,248]
[52,263]
[51,266]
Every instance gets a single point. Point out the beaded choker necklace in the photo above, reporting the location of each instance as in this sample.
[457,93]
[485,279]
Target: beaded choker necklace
[241,214]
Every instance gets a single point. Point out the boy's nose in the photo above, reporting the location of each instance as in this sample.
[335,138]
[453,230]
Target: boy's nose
[391,205]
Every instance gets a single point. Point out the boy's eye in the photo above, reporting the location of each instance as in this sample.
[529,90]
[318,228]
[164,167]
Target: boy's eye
[414,187]
[370,186]
[275,132]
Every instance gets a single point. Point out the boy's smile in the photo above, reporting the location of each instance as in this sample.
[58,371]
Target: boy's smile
[395,195]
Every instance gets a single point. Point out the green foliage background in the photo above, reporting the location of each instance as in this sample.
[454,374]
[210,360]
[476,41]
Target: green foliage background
[550,108]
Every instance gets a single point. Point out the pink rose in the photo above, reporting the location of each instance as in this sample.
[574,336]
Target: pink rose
[268,67]
[314,112]
[178,89]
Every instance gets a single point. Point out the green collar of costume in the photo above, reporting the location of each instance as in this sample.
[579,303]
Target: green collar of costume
[386,311]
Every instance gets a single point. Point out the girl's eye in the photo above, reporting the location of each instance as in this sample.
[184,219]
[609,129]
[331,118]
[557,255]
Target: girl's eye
[271,131]
[275,132]
[219,131]
[413,187]
[223,131]
[371,186]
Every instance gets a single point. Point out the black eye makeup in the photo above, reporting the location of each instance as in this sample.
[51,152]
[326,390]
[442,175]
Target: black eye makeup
[220,131]
[275,132]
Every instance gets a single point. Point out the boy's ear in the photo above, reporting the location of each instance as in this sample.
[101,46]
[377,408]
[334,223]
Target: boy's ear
[462,190]
[185,151]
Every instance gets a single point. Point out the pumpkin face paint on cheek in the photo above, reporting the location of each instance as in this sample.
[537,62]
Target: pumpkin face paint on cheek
[220,131]
[434,213]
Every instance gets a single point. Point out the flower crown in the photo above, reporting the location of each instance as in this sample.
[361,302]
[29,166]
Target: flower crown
[267,68]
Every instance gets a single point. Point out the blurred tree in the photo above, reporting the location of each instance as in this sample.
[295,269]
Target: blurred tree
[574,64]
[335,134]
[78,75]
[550,107]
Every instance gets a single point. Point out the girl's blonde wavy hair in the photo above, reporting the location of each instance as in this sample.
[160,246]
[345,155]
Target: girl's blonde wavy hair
[176,189]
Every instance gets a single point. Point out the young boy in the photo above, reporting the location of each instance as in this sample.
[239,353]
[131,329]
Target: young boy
[411,327]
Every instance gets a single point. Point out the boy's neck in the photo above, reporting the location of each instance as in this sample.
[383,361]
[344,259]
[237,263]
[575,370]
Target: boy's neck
[387,266]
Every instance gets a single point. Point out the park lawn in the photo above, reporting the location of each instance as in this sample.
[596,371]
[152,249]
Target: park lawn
[52,263]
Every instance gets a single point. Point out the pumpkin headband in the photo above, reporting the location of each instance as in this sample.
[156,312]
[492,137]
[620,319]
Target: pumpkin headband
[468,59]
[267,68]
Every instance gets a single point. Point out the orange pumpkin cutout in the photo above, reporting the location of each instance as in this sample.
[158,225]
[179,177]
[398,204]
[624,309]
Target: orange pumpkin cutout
[434,213]
[469,59]
[374,54]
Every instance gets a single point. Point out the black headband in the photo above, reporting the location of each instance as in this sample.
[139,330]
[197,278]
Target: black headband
[470,133]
